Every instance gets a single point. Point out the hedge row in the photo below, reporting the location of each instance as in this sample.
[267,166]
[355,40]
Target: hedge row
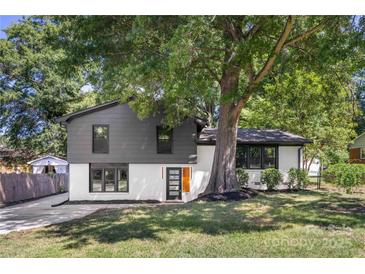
[271,177]
[346,176]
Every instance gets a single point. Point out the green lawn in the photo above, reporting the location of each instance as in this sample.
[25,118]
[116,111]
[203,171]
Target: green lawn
[302,224]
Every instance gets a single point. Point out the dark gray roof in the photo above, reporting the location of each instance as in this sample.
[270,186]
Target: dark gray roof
[255,136]
[70,116]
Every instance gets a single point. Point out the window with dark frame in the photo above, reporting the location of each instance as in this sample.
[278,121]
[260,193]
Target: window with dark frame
[269,157]
[122,181]
[256,156]
[164,140]
[97,180]
[100,138]
[109,178]
[241,156]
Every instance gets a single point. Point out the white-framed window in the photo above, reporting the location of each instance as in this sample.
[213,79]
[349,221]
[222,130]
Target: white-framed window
[362,153]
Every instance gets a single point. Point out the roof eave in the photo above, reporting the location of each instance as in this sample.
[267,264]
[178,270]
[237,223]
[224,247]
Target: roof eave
[46,156]
[283,143]
[68,117]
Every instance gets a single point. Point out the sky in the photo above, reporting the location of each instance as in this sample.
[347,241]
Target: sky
[7,20]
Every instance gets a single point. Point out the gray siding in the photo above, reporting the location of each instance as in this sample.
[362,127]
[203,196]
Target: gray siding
[130,140]
[359,141]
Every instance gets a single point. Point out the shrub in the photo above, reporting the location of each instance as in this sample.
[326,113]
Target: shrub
[292,178]
[298,178]
[242,177]
[271,177]
[346,176]
[302,179]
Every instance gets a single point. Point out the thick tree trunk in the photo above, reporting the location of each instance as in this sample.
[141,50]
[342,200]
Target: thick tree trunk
[223,173]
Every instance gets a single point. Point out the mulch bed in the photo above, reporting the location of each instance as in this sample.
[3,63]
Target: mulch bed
[228,196]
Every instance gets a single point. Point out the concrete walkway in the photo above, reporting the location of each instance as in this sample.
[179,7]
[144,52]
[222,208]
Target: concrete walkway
[39,213]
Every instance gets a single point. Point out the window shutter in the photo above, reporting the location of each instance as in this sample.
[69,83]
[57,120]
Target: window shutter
[186,179]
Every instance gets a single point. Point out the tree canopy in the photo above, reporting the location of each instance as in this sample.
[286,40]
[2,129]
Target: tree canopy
[191,63]
[210,66]
[310,105]
[33,91]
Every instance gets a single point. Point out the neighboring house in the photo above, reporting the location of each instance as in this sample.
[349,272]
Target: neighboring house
[49,164]
[113,155]
[357,150]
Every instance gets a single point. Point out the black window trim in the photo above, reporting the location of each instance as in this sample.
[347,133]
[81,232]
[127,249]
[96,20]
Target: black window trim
[104,166]
[262,155]
[171,142]
[93,136]
[246,147]
[249,158]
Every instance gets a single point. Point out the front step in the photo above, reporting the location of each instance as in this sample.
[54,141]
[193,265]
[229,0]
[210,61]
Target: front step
[173,202]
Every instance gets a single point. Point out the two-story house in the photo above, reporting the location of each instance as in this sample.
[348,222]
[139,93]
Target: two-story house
[113,155]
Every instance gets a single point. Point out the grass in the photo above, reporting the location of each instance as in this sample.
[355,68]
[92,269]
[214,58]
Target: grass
[302,224]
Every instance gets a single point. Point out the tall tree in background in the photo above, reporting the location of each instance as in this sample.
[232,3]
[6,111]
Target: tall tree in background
[33,91]
[305,103]
[188,63]
[359,100]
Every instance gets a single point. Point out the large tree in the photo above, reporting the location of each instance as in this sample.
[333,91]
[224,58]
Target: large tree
[305,103]
[186,63]
[33,91]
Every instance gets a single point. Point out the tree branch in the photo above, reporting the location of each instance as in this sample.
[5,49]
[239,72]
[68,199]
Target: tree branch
[208,49]
[212,72]
[233,29]
[306,34]
[254,80]
[278,47]
[250,72]
[204,65]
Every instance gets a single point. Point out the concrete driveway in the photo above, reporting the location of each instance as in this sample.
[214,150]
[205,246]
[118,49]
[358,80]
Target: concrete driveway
[40,213]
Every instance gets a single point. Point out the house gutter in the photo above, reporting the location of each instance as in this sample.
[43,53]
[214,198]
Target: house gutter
[299,154]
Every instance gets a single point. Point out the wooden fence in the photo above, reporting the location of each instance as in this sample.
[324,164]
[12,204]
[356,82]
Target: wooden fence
[24,186]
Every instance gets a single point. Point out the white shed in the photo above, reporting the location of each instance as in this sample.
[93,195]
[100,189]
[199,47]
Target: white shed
[49,164]
[315,168]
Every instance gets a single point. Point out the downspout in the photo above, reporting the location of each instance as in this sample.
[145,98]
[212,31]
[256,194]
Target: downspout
[299,156]
[64,125]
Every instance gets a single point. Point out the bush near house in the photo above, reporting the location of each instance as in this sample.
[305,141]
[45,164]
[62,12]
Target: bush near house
[346,176]
[272,178]
[297,178]
[242,178]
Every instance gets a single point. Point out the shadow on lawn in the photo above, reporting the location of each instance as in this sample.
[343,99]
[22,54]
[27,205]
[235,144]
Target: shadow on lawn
[267,212]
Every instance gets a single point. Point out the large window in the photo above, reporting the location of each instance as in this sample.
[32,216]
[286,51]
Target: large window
[100,139]
[256,157]
[164,140]
[242,156]
[109,178]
